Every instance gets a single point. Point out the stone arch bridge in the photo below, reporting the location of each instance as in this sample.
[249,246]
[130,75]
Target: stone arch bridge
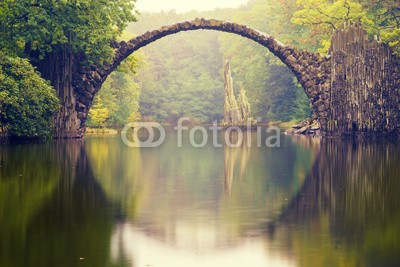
[346,96]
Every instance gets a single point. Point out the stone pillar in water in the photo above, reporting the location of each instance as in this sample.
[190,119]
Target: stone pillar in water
[231,110]
[236,112]
[243,105]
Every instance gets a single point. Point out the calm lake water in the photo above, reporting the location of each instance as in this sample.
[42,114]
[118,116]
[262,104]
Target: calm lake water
[97,202]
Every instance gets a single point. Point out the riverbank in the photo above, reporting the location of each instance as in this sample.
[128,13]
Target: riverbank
[284,125]
[299,127]
[101,131]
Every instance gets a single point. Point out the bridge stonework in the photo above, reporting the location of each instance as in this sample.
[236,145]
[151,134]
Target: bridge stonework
[322,77]
[365,82]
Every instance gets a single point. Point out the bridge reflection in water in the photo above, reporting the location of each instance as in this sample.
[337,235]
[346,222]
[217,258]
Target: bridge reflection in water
[309,203]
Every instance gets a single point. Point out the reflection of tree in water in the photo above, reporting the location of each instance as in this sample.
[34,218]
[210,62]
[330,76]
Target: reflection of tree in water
[67,222]
[28,177]
[118,169]
[24,169]
[348,210]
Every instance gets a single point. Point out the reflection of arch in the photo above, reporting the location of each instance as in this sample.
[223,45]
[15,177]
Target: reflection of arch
[347,177]
[305,203]
[349,202]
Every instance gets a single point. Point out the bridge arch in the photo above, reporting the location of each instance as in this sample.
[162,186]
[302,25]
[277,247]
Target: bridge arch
[288,55]
[311,69]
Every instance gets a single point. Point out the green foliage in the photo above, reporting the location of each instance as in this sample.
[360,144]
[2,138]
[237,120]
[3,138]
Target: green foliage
[183,74]
[392,38]
[386,17]
[36,28]
[379,17]
[282,94]
[27,102]
[98,113]
[302,106]
[117,103]
[331,14]
[324,15]
[273,93]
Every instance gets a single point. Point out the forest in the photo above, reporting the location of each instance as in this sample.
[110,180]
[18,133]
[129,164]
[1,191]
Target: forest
[177,76]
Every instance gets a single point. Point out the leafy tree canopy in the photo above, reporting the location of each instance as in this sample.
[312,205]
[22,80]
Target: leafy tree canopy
[27,102]
[323,16]
[386,17]
[117,103]
[379,17]
[36,28]
[99,113]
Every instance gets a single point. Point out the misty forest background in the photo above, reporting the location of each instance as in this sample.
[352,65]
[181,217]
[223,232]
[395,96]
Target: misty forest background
[181,75]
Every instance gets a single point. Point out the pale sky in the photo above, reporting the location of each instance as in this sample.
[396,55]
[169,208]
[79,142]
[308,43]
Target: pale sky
[186,5]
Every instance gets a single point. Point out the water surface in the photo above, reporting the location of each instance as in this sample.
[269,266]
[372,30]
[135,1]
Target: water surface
[97,202]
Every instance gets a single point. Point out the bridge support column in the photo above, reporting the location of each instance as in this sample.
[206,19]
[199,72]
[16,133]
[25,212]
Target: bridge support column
[59,69]
[75,91]
[365,86]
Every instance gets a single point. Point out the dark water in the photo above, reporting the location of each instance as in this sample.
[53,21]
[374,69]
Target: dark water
[97,202]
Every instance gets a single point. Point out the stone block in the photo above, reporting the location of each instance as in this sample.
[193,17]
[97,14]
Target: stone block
[82,115]
[291,60]
[309,84]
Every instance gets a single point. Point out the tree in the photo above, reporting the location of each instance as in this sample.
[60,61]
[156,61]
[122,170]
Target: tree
[281,94]
[27,102]
[323,16]
[61,37]
[386,17]
[36,28]
[120,94]
[99,113]
[272,91]
[378,17]
[181,74]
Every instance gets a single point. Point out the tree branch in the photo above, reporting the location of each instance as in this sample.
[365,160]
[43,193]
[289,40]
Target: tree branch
[326,15]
